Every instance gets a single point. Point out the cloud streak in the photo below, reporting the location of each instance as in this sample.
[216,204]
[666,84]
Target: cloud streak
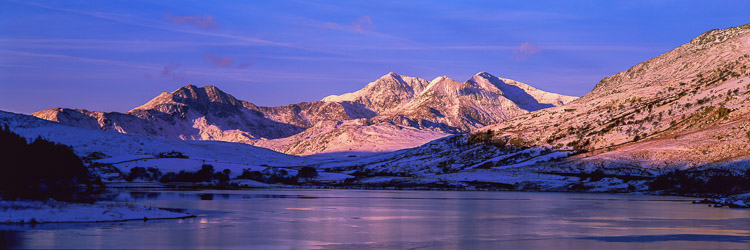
[206,22]
[525,51]
[170,70]
[225,61]
[154,24]
[77,58]
[219,61]
[363,24]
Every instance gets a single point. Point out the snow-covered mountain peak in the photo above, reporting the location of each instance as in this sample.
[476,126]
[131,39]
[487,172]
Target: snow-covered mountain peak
[208,93]
[189,95]
[386,93]
[526,96]
[391,74]
[439,79]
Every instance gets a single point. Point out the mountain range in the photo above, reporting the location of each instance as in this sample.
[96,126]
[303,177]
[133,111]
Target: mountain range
[391,113]
[679,121]
[687,109]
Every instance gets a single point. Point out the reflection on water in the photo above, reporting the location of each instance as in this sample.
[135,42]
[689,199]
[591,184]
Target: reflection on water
[135,195]
[674,237]
[401,219]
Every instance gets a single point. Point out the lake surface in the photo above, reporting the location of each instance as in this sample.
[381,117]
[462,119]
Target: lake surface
[323,219]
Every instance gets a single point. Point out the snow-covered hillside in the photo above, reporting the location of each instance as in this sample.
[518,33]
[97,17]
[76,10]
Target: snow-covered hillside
[119,147]
[353,137]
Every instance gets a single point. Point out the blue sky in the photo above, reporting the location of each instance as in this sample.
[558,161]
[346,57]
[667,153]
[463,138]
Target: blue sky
[116,55]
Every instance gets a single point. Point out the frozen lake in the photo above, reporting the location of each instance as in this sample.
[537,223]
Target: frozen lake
[354,219]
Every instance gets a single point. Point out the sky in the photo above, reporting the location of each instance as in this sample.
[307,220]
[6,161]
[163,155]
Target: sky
[116,55]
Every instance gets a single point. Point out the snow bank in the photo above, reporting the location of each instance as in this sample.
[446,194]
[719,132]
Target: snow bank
[250,183]
[54,211]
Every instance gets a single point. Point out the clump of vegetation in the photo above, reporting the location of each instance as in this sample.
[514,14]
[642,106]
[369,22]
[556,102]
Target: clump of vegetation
[171,154]
[41,169]
[580,145]
[307,173]
[146,174]
[517,142]
[714,182]
[274,175]
[486,137]
[206,175]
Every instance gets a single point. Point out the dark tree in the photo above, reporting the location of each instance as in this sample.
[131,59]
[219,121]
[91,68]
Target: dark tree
[307,173]
[40,169]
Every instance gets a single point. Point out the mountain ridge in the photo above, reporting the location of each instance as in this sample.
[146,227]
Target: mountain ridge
[393,104]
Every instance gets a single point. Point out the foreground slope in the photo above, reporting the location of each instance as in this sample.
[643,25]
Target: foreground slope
[688,107]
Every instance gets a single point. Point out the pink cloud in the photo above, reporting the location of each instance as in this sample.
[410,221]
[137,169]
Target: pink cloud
[330,25]
[226,61]
[206,22]
[219,61]
[170,70]
[363,24]
[244,65]
[525,51]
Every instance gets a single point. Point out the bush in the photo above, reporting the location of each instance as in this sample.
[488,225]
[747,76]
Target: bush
[205,174]
[171,154]
[40,169]
[482,137]
[307,173]
[706,182]
[596,175]
[146,174]
[251,175]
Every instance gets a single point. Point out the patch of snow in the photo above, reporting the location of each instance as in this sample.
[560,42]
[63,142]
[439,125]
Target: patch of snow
[54,211]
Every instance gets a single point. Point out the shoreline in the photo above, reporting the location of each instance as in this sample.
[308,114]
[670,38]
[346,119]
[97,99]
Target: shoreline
[734,201]
[44,212]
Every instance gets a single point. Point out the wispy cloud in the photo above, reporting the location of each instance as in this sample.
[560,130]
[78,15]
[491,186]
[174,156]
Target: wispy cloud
[363,24]
[170,70]
[103,44]
[155,24]
[219,61]
[180,72]
[506,47]
[79,59]
[206,21]
[525,51]
[225,61]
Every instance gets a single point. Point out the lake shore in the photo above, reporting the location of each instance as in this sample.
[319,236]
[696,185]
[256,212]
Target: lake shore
[32,212]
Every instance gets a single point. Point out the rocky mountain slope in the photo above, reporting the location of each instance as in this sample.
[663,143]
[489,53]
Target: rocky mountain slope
[391,113]
[688,107]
